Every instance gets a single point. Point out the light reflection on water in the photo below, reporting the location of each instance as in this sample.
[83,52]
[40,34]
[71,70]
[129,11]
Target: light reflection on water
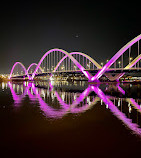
[61,98]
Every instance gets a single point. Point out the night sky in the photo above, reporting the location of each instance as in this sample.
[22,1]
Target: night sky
[99,29]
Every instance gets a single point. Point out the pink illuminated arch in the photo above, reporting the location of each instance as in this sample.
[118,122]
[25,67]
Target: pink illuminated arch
[17,98]
[33,65]
[115,57]
[120,115]
[49,111]
[130,65]
[86,73]
[88,57]
[18,63]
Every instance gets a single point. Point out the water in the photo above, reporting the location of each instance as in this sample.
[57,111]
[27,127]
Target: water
[61,119]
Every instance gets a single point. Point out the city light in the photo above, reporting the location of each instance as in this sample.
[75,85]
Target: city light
[62,67]
[88,65]
[102,64]
[119,63]
[131,59]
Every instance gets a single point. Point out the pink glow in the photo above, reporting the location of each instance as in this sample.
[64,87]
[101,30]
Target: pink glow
[132,101]
[84,94]
[33,65]
[26,73]
[50,112]
[87,74]
[130,65]
[115,57]
[17,98]
[128,122]
[88,57]
[120,89]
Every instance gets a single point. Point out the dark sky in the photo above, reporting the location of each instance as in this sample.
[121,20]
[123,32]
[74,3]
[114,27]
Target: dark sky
[29,29]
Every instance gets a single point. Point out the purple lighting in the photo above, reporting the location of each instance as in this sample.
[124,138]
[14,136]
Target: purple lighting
[115,57]
[84,55]
[87,74]
[33,65]
[132,101]
[128,122]
[18,63]
[82,69]
[67,108]
[17,98]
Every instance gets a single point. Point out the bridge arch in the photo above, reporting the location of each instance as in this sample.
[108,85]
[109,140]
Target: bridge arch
[13,67]
[115,57]
[130,65]
[33,65]
[86,73]
[80,53]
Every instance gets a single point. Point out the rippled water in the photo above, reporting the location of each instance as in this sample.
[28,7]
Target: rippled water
[62,119]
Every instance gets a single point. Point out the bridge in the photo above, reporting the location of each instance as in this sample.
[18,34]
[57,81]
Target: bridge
[57,61]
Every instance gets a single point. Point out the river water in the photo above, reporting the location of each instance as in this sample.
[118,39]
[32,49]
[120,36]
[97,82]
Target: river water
[62,119]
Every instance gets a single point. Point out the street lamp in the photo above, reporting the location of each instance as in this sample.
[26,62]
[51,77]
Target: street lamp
[131,59]
[119,63]
[88,65]
[107,60]
[74,67]
[62,68]
[52,67]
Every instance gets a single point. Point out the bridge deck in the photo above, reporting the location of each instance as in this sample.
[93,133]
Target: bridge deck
[117,70]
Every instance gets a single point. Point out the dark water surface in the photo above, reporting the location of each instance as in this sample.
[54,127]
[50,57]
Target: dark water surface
[62,119]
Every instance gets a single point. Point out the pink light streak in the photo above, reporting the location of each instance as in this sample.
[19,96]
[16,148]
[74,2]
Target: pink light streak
[50,112]
[115,57]
[87,74]
[128,122]
[18,63]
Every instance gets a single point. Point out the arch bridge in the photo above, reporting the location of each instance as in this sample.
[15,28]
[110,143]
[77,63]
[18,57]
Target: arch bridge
[58,61]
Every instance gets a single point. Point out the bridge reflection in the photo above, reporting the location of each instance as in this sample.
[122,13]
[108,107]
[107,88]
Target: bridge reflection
[56,102]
